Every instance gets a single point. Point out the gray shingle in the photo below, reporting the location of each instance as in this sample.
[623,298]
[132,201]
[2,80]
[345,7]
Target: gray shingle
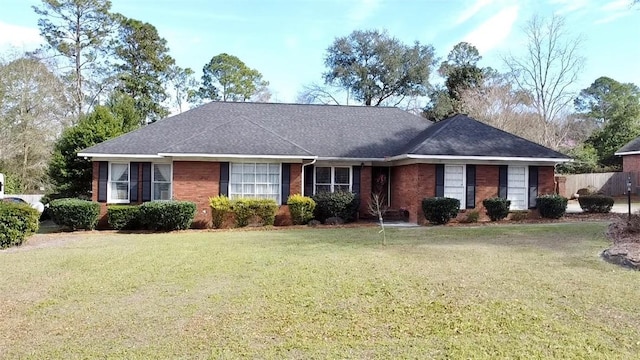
[633,145]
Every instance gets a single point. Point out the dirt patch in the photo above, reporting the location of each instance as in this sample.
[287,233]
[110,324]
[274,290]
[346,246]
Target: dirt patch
[624,232]
[39,241]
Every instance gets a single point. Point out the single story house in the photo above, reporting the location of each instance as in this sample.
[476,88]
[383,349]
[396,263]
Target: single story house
[630,156]
[272,150]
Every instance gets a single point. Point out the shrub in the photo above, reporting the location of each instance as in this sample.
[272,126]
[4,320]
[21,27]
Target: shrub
[246,209]
[519,215]
[75,213]
[301,208]
[551,206]
[124,217]
[167,215]
[17,222]
[472,217]
[220,207]
[440,210]
[497,208]
[342,204]
[595,203]
[589,190]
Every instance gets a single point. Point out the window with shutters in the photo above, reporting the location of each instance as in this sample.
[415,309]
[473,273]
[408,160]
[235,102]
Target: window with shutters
[161,180]
[454,183]
[332,178]
[118,187]
[254,180]
[517,187]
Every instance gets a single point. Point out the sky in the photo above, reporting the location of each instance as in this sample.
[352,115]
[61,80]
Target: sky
[286,40]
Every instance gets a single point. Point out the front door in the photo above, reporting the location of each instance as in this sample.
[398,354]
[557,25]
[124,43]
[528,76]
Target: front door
[380,183]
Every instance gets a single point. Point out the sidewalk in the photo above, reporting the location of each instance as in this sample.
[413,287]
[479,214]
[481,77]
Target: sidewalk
[620,206]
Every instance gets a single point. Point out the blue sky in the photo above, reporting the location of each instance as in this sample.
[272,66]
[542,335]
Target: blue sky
[286,39]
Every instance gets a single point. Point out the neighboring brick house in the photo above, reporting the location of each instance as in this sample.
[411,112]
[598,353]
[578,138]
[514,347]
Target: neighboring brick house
[274,150]
[631,156]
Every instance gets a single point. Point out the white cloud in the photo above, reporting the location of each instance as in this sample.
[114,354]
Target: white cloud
[471,11]
[19,36]
[613,10]
[569,6]
[493,31]
[616,5]
[362,10]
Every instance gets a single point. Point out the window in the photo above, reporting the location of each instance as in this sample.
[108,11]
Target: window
[257,180]
[161,182]
[517,187]
[331,179]
[454,183]
[118,183]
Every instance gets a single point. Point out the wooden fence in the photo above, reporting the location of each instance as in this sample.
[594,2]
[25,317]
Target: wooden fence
[611,183]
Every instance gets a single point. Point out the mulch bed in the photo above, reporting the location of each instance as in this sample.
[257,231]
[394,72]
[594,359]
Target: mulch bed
[624,232]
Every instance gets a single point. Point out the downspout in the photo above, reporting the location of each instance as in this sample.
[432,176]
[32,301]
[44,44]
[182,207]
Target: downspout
[303,174]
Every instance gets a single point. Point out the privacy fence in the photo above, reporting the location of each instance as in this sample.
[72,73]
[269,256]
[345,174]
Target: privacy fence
[610,183]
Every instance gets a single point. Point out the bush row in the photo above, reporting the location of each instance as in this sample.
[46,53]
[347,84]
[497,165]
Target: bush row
[160,215]
[17,223]
[244,211]
[595,203]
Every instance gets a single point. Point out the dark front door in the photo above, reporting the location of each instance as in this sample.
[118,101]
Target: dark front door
[380,183]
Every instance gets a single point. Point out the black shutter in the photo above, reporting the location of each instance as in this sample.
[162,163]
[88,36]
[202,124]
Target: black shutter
[308,180]
[224,178]
[103,179]
[133,181]
[355,185]
[286,181]
[502,186]
[471,186]
[146,181]
[440,180]
[533,186]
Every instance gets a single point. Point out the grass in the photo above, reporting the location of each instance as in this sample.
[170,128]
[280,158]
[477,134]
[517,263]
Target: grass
[519,291]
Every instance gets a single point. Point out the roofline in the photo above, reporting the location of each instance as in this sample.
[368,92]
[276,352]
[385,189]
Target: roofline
[236,156]
[337,158]
[635,152]
[477,158]
[139,156]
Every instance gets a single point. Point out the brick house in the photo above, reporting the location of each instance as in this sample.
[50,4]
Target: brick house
[631,157]
[274,150]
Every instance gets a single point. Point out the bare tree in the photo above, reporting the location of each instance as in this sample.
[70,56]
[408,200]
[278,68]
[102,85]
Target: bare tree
[318,94]
[377,208]
[548,70]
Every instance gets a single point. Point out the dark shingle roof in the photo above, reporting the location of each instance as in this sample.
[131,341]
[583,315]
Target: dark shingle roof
[631,146]
[461,135]
[273,129]
[223,128]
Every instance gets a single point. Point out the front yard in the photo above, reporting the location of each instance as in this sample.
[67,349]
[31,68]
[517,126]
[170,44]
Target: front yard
[517,291]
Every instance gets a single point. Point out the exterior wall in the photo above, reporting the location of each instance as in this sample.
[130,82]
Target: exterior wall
[487,181]
[197,181]
[631,163]
[103,222]
[409,185]
[546,180]
[365,191]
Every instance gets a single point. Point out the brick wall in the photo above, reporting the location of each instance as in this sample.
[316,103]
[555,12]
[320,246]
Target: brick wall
[103,222]
[409,185]
[546,180]
[487,181]
[631,163]
[365,191]
[197,181]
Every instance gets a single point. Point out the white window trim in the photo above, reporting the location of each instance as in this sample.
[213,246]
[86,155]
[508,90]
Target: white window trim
[463,201]
[279,200]
[153,179]
[333,172]
[526,187]
[110,200]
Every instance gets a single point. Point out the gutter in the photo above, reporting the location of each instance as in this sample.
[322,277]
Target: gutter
[303,173]
[476,158]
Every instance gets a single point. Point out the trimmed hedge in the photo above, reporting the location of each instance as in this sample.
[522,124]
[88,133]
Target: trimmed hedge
[342,204]
[497,208]
[75,213]
[551,206]
[124,217]
[440,210]
[167,215]
[247,209]
[595,203]
[17,223]
[220,207]
[301,208]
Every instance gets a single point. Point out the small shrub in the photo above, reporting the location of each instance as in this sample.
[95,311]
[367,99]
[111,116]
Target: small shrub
[497,208]
[245,210]
[471,217]
[124,217]
[220,207]
[440,210]
[519,215]
[589,190]
[167,215]
[342,204]
[17,223]
[301,208]
[551,206]
[75,213]
[595,203]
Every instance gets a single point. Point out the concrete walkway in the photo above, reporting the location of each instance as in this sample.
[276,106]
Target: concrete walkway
[620,206]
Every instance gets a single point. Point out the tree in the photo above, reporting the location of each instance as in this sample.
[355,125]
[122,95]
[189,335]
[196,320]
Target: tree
[227,78]
[184,85]
[374,67]
[318,94]
[33,111]
[70,174]
[615,107]
[547,70]
[77,30]
[145,68]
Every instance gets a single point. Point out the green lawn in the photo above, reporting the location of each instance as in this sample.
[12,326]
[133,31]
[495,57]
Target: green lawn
[518,291]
